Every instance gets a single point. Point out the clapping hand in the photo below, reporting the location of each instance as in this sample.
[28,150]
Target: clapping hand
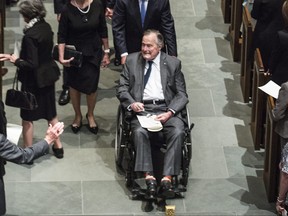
[53,132]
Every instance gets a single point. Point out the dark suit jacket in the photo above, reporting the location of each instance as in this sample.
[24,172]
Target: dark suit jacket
[280,112]
[59,5]
[36,49]
[268,14]
[127,28]
[131,85]
[278,63]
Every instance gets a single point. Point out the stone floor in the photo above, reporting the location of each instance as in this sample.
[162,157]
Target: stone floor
[226,172]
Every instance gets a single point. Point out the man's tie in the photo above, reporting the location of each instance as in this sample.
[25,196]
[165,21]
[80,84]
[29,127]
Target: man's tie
[143,11]
[147,75]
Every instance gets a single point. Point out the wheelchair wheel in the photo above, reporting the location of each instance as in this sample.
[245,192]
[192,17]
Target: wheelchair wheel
[119,149]
[189,136]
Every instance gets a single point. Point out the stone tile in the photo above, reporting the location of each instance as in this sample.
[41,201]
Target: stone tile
[40,198]
[216,50]
[219,131]
[77,165]
[207,7]
[201,104]
[108,197]
[211,159]
[243,162]
[184,8]
[200,27]
[227,196]
[190,51]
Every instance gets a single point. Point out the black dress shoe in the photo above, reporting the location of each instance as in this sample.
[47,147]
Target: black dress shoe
[76,128]
[148,206]
[151,188]
[94,129]
[58,152]
[117,62]
[64,97]
[166,189]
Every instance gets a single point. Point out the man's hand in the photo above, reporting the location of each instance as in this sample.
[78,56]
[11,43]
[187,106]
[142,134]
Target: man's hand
[137,107]
[123,60]
[109,13]
[105,61]
[53,132]
[163,117]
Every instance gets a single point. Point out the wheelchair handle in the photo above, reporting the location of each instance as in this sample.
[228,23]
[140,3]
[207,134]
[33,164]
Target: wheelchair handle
[191,127]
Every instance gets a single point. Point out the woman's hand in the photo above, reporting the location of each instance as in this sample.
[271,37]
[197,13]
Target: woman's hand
[66,62]
[106,60]
[4,57]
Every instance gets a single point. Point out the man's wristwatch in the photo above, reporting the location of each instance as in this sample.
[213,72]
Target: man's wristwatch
[107,51]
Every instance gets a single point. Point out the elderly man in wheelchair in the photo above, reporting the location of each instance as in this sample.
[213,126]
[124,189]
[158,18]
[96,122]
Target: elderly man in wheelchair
[152,83]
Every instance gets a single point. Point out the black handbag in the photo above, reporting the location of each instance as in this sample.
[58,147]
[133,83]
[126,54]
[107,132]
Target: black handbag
[20,99]
[69,53]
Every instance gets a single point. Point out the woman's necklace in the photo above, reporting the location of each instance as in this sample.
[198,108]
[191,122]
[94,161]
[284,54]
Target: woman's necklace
[82,11]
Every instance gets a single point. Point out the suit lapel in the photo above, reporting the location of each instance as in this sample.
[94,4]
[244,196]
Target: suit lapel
[140,73]
[163,71]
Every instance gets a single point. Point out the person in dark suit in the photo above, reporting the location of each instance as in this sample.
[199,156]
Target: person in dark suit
[36,49]
[278,62]
[128,27]
[11,152]
[280,115]
[161,93]
[64,97]
[269,21]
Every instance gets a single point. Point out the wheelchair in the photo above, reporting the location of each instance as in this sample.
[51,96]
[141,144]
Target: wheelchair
[125,155]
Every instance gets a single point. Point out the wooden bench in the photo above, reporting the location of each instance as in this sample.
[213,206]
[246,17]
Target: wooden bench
[234,29]
[258,101]
[246,57]
[272,155]
[226,10]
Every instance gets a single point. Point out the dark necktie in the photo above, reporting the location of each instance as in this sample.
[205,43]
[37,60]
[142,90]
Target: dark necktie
[148,72]
[143,11]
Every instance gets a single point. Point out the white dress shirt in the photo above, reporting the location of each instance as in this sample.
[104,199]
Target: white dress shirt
[153,89]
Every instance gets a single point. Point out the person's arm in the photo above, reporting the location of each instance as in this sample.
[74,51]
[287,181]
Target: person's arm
[31,55]
[280,109]
[118,26]
[168,29]
[103,32]
[11,152]
[123,93]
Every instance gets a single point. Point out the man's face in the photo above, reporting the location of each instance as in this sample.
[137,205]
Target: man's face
[150,49]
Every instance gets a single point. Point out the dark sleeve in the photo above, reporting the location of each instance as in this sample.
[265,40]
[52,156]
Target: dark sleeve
[180,98]
[58,6]
[63,27]
[30,48]
[255,13]
[280,109]
[123,93]
[168,29]
[3,120]
[11,152]
[103,30]
[275,54]
[110,3]
[118,26]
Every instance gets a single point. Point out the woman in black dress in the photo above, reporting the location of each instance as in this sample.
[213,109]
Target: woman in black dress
[83,25]
[36,49]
